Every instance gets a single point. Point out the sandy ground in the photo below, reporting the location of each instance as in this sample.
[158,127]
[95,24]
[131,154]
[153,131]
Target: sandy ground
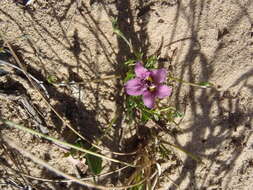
[74,41]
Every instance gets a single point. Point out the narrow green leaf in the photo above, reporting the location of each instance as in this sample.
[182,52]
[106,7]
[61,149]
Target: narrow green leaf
[130,62]
[178,114]
[2,50]
[129,75]
[150,64]
[139,55]
[194,157]
[140,186]
[94,162]
[205,84]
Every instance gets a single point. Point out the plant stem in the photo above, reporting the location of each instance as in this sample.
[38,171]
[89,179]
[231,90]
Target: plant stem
[185,82]
[194,157]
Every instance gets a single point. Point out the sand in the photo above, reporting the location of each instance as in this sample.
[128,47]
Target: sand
[74,41]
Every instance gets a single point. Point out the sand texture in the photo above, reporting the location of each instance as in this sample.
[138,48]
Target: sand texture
[211,40]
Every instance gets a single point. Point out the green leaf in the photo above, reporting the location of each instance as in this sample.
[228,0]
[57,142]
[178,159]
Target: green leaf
[146,115]
[129,75]
[67,154]
[117,31]
[138,187]
[156,117]
[138,55]
[152,60]
[114,23]
[2,50]
[164,151]
[94,162]
[205,84]
[178,114]
[130,62]
[52,79]
[137,179]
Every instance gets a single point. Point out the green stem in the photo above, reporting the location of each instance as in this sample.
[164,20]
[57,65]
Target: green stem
[185,82]
[119,33]
[168,108]
[194,157]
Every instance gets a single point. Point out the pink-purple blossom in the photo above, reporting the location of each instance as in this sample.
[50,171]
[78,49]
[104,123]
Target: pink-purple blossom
[149,84]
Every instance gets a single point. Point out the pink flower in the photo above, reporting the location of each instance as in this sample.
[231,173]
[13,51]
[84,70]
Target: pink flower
[149,84]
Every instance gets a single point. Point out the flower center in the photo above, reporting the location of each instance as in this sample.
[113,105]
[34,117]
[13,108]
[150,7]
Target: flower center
[152,88]
[150,84]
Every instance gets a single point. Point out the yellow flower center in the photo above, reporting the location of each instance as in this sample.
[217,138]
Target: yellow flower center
[150,84]
[152,88]
[149,79]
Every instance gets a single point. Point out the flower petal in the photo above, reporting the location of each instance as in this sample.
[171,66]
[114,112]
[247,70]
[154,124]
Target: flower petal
[148,99]
[140,71]
[163,91]
[134,87]
[159,75]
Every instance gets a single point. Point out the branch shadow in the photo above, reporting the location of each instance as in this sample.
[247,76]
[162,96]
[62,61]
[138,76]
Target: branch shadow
[201,109]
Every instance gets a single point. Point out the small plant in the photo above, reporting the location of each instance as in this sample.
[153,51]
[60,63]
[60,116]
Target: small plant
[144,85]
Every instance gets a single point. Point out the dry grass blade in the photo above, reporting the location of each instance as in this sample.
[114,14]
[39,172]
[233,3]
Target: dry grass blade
[14,145]
[68,180]
[11,124]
